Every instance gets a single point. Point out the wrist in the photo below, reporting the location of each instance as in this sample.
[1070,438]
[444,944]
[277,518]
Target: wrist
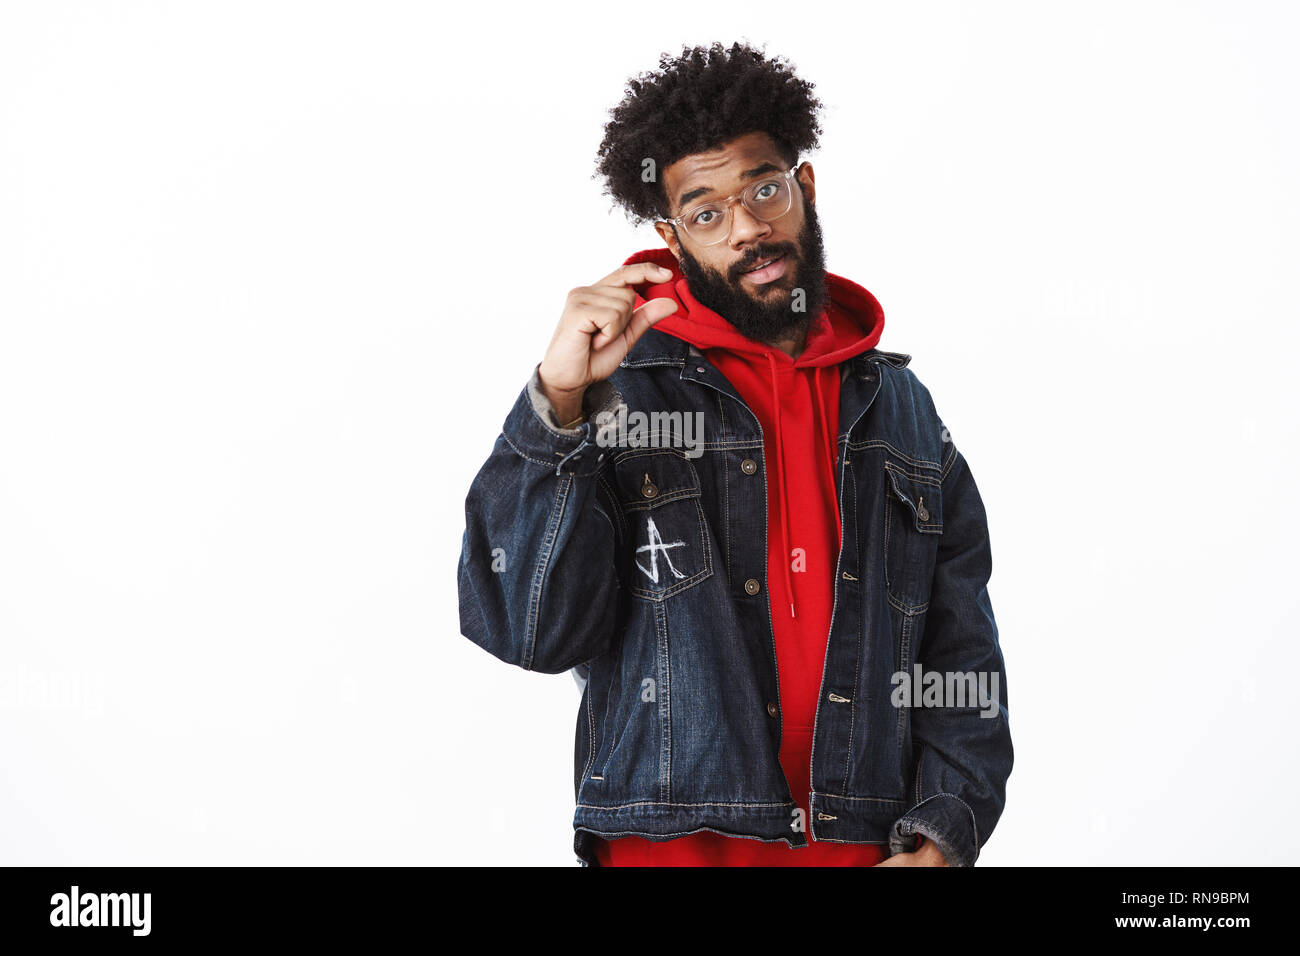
[567,402]
[929,852]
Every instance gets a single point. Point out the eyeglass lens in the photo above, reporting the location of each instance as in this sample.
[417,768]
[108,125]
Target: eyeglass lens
[711,221]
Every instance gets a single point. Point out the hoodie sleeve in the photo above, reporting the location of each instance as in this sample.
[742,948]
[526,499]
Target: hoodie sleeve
[537,581]
[963,754]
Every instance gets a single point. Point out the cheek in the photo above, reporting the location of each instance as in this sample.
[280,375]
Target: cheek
[796,239]
[722,270]
[720,265]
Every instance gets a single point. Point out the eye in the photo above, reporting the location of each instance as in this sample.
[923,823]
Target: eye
[766,191]
[704,217]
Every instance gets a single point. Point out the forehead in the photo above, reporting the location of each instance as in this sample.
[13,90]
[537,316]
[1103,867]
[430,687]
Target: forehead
[719,170]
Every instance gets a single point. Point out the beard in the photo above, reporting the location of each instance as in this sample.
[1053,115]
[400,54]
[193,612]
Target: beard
[772,318]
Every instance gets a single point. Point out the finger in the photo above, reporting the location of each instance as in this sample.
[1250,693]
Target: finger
[636,273]
[603,323]
[607,296]
[620,299]
[643,318]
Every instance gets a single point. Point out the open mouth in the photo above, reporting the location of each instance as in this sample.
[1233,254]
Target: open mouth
[767,270]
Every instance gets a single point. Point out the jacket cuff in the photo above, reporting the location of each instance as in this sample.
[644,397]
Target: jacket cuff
[534,432]
[944,818]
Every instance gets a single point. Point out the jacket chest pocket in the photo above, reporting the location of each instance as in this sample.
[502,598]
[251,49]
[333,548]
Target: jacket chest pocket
[913,526]
[659,493]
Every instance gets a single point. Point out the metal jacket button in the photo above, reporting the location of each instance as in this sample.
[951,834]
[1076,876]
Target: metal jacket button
[921,511]
[771,709]
[751,586]
[648,489]
[748,466]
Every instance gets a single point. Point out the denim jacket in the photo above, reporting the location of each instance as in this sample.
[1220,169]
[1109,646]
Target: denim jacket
[679,728]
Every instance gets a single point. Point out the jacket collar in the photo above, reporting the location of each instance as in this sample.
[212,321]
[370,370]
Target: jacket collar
[660,348]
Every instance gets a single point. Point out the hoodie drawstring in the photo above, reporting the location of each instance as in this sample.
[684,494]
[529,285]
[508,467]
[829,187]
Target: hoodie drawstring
[830,441]
[780,477]
[823,419]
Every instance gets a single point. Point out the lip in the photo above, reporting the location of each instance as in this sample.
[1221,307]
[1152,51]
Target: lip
[769,273]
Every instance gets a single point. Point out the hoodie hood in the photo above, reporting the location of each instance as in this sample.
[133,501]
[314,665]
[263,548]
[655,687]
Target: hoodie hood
[850,323]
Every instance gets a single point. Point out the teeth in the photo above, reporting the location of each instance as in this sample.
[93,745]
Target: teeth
[764,265]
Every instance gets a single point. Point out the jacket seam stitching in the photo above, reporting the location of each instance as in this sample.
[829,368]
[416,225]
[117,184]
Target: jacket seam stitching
[543,564]
[907,609]
[951,460]
[904,652]
[591,735]
[651,362]
[667,803]
[664,697]
[911,814]
[524,455]
[919,478]
[845,796]
[620,525]
[881,443]
[857,663]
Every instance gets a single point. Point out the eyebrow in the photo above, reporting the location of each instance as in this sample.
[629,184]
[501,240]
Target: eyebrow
[747,174]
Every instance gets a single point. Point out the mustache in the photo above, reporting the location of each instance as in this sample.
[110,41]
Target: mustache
[750,261]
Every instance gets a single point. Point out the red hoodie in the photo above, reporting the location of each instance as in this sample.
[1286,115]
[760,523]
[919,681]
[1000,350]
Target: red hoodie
[797,403]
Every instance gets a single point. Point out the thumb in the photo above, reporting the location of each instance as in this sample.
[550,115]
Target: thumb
[645,316]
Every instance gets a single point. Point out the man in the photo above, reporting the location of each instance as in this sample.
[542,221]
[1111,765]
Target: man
[740,524]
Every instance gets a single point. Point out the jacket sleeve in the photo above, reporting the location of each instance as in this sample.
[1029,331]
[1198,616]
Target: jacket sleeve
[963,754]
[537,581]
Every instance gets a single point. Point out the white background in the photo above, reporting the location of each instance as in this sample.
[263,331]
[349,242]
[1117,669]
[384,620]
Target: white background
[272,275]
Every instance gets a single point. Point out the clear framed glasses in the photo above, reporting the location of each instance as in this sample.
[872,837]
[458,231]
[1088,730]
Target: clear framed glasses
[767,199]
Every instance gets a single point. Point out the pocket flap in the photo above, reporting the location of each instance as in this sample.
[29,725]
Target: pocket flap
[651,478]
[920,495]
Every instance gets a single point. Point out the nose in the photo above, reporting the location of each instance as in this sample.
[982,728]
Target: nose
[746,228]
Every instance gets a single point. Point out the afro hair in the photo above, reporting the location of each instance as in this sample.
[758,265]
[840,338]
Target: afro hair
[702,99]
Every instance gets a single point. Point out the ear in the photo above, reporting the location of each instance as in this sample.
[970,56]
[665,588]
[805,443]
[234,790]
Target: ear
[804,176]
[669,235]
